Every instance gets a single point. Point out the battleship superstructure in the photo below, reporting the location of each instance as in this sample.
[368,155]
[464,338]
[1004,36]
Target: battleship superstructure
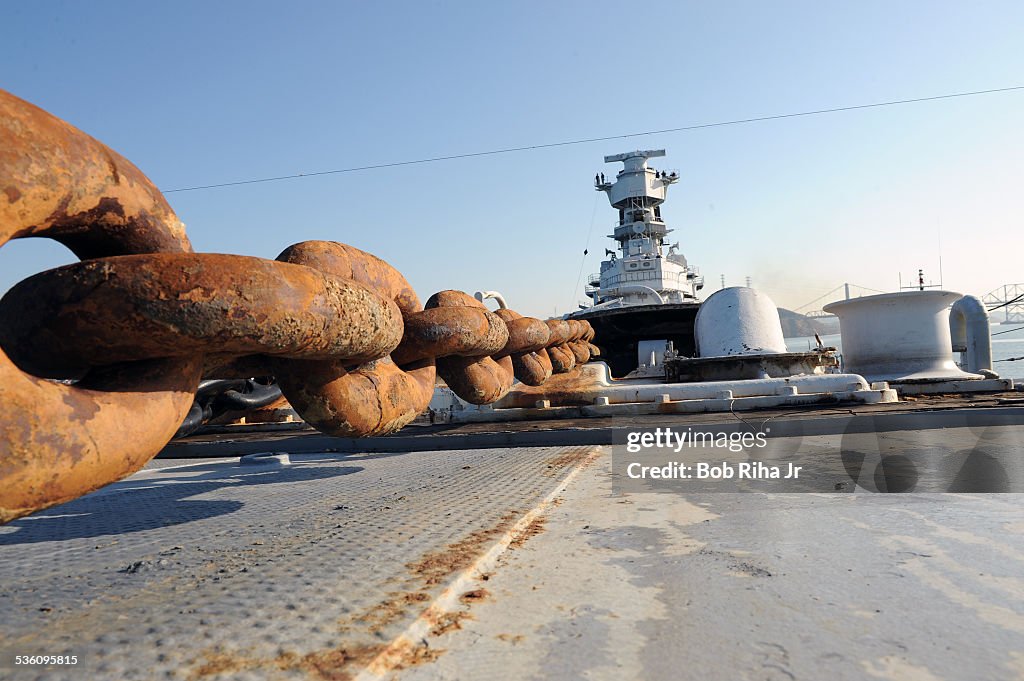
[641,293]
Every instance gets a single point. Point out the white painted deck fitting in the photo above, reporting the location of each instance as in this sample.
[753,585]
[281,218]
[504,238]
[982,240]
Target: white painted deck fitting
[738,321]
[940,387]
[899,336]
[659,405]
[971,334]
[594,381]
[609,397]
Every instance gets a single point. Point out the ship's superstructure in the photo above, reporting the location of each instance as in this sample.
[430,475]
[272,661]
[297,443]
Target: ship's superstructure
[645,296]
[641,273]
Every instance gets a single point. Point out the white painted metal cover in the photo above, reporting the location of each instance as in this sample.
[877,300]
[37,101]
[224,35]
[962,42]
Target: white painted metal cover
[738,321]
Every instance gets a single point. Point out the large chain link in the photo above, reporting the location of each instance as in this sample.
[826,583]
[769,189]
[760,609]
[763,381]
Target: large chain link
[141,319]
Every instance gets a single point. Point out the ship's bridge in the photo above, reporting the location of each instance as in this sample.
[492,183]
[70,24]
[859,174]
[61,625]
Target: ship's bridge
[637,187]
[643,273]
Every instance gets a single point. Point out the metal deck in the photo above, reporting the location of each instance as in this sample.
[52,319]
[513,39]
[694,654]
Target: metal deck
[514,562]
[221,570]
[920,587]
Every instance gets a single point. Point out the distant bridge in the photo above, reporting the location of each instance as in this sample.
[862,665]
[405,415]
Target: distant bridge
[844,291]
[1006,304]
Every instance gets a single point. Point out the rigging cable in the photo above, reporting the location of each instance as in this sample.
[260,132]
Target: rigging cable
[873,290]
[819,298]
[566,143]
[586,248]
[1008,302]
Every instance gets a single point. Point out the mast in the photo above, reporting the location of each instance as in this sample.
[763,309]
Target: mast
[637,193]
[642,274]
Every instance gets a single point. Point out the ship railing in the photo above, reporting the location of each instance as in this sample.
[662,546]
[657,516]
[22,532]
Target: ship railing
[669,279]
[643,275]
[656,221]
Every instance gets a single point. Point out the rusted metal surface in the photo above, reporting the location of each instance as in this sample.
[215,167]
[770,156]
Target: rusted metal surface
[573,388]
[562,358]
[528,337]
[142,318]
[374,398]
[579,342]
[359,266]
[57,441]
[371,398]
[533,368]
[57,182]
[525,334]
[129,308]
[472,373]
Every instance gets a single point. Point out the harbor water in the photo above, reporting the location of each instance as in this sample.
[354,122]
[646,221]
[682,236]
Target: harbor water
[1005,346]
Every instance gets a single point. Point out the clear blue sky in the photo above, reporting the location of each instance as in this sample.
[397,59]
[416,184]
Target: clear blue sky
[206,92]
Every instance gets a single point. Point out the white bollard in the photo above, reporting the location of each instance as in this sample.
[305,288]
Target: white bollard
[899,336]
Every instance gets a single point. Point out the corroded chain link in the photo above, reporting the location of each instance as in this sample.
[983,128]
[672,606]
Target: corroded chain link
[142,319]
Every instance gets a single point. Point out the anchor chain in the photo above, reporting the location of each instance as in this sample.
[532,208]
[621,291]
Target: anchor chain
[131,330]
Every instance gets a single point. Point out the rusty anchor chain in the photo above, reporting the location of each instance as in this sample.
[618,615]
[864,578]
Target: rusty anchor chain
[131,330]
